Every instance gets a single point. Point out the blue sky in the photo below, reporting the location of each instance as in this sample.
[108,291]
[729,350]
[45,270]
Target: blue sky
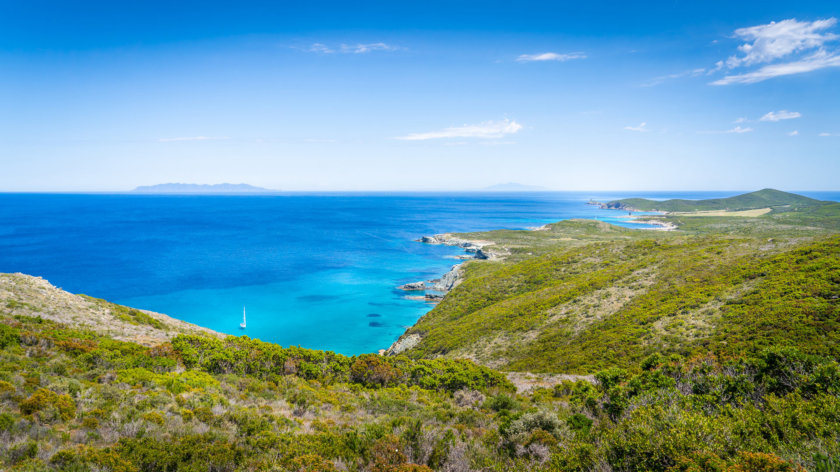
[420,95]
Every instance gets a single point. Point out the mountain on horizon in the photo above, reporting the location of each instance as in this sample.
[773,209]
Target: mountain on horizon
[514,187]
[201,189]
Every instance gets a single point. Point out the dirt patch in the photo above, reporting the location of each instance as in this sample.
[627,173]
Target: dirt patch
[743,213]
[528,381]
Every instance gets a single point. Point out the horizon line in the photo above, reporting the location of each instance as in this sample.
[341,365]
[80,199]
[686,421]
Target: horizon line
[270,192]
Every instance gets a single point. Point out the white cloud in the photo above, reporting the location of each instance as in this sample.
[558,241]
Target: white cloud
[794,133]
[773,41]
[818,60]
[485,130]
[739,130]
[192,138]
[641,128]
[740,120]
[360,48]
[826,135]
[781,115]
[784,48]
[551,56]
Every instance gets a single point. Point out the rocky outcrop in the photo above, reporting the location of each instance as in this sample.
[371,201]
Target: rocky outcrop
[476,247]
[481,254]
[449,280]
[413,286]
[404,343]
[616,205]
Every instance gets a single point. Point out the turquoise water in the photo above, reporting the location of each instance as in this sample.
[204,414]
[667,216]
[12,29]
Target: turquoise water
[318,271]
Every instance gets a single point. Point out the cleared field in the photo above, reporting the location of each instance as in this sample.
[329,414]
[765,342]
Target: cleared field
[743,213]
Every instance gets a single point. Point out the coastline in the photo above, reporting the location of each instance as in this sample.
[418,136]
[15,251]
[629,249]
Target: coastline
[478,249]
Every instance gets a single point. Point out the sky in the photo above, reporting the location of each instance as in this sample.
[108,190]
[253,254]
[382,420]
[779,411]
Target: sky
[420,95]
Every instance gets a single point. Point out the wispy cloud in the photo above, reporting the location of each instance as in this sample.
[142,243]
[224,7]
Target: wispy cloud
[551,56]
[780,115]
[641,128]
[192,138]
[817,61]
[678,75]
[794,133]
[485,130]
[363,48]
[826,135]
[359,48]
[741,120]
[320,48]
[784,48]
[738,130]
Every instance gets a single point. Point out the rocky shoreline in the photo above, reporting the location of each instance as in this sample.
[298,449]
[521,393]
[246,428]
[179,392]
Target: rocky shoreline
[474,248]
[482,250]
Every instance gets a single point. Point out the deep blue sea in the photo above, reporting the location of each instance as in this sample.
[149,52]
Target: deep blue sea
[315,270]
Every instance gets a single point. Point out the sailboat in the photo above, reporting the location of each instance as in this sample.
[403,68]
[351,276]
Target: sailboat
[242,325]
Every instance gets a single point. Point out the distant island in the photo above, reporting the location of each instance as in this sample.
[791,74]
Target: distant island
[514,187]
[202,189]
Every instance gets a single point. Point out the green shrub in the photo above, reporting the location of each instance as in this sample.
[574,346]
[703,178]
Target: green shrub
[45,400]
[7,422]
[501,402]
[9,336]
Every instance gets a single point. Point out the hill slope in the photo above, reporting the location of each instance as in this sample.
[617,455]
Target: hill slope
[24,295]
[766,198]
[580,309]
[76,400]
[580,296]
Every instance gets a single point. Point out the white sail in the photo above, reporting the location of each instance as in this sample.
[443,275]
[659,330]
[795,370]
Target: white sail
[242,325]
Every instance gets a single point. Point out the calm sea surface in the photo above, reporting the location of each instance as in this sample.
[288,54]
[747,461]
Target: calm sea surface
[316,270]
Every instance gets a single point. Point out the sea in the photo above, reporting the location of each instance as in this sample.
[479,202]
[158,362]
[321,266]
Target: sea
[314,270]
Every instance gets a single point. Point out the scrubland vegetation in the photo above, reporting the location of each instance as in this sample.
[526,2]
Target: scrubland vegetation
[73,400]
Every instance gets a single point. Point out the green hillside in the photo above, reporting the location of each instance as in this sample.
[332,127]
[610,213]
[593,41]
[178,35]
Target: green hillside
[582,296]
[766,198]
[583,308]
[77,400]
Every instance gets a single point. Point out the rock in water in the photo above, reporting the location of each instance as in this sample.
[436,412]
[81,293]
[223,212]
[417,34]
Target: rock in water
[414,286]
